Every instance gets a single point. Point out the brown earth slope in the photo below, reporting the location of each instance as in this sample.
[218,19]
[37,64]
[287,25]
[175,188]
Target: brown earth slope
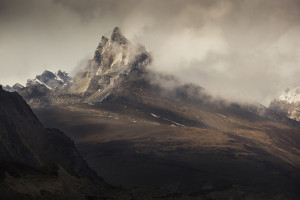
[185,149]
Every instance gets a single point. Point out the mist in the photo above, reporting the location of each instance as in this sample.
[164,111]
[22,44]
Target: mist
[239,50]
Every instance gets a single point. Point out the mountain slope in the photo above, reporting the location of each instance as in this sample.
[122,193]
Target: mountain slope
[183,149]
[25,140]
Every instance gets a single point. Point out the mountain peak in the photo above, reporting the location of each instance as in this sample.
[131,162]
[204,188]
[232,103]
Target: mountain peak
[47,74]
[117,36]
[18,86]
[104,40]
[117,30]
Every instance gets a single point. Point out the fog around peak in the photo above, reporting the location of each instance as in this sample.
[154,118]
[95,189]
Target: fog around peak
[240,50]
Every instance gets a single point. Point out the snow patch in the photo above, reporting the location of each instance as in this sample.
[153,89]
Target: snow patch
[42,83]
[175,123]
[58,78]
[154,115]
[221,115]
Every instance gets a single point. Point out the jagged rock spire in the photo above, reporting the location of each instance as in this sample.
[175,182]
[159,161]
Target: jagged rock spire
[97,55]
[117,36]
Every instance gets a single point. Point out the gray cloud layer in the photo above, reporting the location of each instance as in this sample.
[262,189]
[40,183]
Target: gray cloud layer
[238,49]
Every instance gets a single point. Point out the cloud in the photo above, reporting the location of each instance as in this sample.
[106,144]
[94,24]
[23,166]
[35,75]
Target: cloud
[247,50]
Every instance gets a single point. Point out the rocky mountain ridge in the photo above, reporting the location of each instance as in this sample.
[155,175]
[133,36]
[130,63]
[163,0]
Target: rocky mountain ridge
[115,59]
[118,70]
[50,80]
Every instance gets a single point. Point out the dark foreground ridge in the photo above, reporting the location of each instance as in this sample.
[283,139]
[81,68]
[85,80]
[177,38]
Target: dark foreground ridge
[25,140]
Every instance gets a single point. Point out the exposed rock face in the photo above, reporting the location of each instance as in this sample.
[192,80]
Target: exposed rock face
[24,139]
[64,76]
[42,84]
[118,37]
[43,88]
[50,80]
[288,104]
[114,59]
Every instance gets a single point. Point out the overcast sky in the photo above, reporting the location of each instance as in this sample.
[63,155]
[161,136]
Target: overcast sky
[239,49]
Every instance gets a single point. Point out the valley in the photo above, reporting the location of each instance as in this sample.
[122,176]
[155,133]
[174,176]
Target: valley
[134,148]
